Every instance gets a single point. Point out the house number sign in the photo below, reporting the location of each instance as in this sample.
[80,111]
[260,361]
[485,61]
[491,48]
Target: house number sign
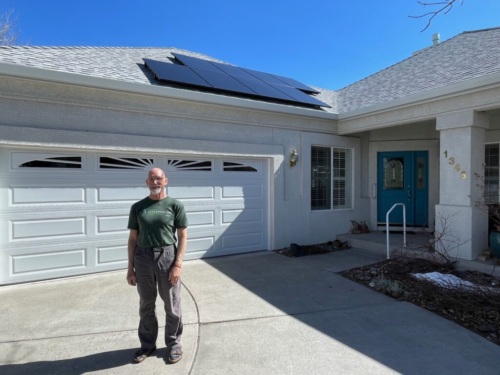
[451,161]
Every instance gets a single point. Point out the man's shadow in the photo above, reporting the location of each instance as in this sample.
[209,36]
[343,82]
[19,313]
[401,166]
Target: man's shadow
[81,365]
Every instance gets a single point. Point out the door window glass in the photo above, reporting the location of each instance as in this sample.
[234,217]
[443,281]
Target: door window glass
[420,173]
[393,173]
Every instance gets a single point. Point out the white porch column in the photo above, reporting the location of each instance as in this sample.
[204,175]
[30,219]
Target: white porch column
[461,226]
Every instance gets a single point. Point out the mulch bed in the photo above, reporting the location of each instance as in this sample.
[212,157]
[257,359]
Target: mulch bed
[295,250]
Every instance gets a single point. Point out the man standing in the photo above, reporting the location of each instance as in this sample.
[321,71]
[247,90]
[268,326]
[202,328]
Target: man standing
[156,247]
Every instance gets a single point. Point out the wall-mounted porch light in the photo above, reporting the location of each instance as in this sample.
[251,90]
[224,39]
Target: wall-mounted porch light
[294,158]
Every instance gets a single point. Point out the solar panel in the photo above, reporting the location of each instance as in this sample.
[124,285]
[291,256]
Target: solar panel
[227,78]
[264,90]
[267,78]
[232,70]
[193,62]
[222,81]
[299,95]
[296,84]
[175,73]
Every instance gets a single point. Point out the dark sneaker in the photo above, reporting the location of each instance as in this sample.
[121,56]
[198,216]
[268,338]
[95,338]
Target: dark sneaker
[175,355]
[142,354]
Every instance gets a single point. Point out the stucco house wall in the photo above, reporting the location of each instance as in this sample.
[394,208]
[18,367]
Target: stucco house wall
[444,99]
[62,115]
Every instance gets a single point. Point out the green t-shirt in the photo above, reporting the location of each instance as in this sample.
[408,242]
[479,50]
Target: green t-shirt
[157,221]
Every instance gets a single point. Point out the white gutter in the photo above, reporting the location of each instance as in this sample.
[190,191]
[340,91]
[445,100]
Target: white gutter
[39,74]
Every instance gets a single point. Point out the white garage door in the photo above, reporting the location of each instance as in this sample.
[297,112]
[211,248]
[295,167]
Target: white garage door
[66,213]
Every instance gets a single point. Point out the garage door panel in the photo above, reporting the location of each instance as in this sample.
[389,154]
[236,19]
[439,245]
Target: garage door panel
[201,243]
[23,265]
[186,193]
[245,215]
[242,241]
[47,195]
[222,204]
[223,218]
[245,191]
[217,236]
[33,262]
[112,224]
[47,228]
[112,255]
[224,245]
[124,194]
[201,218]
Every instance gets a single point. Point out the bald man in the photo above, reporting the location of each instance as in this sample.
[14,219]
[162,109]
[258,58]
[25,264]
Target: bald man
[156,248]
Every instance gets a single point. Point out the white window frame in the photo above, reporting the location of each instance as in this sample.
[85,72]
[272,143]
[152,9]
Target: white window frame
[491,174]
[338,171]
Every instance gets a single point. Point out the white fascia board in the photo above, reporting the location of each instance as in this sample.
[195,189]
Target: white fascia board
[465,87]
[39,74]
[15,136]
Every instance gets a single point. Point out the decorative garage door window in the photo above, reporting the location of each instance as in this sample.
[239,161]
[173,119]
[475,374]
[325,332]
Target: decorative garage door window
[189,165]
[207,166]
[46,161]
[110,162]
[230,166]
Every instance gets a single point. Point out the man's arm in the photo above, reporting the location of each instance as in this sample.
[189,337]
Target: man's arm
[181,246]
[132,243]
[175,274]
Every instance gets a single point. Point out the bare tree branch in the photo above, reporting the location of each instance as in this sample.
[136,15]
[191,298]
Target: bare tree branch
[7,33]
[444,7]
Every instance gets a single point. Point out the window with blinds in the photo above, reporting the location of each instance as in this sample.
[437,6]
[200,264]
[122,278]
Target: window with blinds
[331,178]
[491,173]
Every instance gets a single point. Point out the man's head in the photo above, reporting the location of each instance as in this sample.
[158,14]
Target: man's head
[156,183]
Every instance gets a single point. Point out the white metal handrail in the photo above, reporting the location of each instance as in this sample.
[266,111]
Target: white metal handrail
[387,226]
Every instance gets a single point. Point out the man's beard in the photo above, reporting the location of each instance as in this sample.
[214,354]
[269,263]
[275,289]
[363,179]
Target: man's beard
[155,190]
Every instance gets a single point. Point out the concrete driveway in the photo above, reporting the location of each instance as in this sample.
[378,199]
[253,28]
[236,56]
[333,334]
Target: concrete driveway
[260,313]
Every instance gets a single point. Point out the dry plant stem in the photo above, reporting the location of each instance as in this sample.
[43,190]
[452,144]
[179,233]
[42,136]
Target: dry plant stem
[446,6]
[7,33]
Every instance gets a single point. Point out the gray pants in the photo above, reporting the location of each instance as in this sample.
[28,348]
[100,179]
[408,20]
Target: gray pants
[152,268]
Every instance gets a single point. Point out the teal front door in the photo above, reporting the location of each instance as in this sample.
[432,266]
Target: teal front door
[402,177]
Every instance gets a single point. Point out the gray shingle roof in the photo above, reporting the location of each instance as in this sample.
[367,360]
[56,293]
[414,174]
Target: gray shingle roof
[468,55]
[117,63]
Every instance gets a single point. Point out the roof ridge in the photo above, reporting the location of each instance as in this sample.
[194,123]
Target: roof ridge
[86,47]
[481,30]
[114,48]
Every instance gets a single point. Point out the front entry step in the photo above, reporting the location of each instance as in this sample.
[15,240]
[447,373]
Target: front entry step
[377,241]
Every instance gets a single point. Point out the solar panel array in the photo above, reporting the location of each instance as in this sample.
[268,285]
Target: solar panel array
[224,78]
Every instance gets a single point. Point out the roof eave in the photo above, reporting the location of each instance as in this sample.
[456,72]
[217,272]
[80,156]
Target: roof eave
[45,75]
[456,89]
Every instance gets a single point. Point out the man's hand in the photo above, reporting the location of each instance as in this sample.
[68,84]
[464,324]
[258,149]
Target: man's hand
[132,244]
[175,275]
[131,279]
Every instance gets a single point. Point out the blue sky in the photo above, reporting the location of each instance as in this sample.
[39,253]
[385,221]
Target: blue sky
[325,43]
